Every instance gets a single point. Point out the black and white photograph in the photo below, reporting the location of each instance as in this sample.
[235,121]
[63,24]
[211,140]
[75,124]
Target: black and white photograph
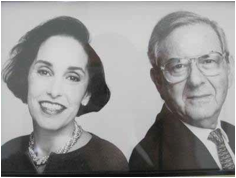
[118,88]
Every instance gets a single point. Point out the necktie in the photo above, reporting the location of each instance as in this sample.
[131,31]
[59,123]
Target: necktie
[224,156]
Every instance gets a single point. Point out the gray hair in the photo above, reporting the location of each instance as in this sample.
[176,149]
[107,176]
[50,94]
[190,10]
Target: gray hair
[175,20]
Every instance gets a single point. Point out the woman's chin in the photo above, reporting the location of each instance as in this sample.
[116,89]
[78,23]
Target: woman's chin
[50,124]
[49,127]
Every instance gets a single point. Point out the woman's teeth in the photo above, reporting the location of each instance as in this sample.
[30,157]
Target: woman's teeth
[51,108]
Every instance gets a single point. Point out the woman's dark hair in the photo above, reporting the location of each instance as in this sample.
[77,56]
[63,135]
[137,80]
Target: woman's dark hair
[16,70]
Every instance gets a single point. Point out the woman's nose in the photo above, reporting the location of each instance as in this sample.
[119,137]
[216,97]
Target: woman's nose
[55,88]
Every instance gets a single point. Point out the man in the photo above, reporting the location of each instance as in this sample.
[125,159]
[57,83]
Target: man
[192,72]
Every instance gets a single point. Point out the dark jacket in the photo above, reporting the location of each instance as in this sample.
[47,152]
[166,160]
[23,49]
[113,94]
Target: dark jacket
[97,156]
[170,145]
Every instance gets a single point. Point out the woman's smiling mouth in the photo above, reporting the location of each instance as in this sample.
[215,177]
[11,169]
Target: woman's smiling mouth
[51,108]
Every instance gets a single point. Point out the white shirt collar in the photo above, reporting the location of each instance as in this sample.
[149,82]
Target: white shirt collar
[203,133]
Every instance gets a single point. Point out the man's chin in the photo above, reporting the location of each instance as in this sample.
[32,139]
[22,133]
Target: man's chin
[200,113]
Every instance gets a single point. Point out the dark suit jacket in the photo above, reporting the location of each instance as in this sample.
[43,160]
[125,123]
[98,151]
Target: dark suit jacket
[170,145]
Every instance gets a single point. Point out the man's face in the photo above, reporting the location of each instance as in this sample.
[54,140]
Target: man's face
[199,98]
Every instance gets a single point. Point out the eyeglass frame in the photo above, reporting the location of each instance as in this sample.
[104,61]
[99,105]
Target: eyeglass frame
[190,59]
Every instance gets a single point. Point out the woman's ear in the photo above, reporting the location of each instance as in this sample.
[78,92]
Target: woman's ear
[86,99]
[231,71]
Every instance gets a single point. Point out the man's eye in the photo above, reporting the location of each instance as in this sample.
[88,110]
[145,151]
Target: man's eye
[43,72]
[74,78]
[209,61]
[178,66]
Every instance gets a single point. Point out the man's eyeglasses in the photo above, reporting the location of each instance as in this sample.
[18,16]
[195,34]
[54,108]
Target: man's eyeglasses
[178,69]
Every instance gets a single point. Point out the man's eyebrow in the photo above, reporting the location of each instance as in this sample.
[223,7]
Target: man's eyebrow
[204,56]
[44,62]
[76,68]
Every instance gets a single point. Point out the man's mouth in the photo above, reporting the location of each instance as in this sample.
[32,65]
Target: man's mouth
[51,108]
[199,96]
[202,98]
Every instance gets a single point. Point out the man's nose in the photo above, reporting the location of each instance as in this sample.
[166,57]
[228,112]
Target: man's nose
[55,88]
[196,77]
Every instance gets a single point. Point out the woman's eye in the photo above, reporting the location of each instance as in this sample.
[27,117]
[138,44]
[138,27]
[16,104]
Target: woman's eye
[43,72]
[74,78]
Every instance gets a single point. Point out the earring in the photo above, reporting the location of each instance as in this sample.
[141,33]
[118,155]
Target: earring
[85,100]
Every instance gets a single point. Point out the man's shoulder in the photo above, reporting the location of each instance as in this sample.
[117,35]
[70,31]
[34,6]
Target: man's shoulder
[167,136]
[164,125]
[19,144]
[227,126]
[230,131]
[142,155]
[155,133]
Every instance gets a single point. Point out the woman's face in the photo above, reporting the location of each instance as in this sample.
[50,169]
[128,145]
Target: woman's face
[57,81]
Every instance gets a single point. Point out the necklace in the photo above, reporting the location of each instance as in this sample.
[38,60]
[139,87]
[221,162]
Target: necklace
[41,160]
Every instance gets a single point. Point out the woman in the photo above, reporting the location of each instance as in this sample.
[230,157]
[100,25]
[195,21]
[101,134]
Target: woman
[57,73]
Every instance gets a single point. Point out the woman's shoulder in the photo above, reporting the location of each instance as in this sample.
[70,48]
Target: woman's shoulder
[19,144]
[104,155]
[105,146]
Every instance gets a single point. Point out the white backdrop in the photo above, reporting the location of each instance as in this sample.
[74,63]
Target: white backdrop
[120,33]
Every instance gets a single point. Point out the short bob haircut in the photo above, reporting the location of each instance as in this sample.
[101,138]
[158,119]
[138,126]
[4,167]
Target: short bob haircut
[176,20]
[16,70]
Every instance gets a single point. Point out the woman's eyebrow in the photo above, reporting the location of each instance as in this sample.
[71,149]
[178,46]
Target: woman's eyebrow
[71,68]
[76,68]
[44,62]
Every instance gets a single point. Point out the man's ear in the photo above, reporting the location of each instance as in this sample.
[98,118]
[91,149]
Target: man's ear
[231,71]
[86,99]
[156,78]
